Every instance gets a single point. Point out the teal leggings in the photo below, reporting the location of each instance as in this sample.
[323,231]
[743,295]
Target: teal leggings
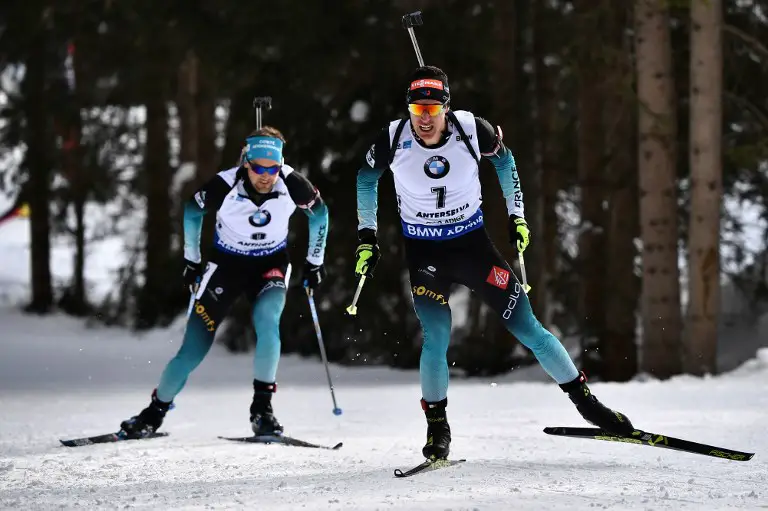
[472,260]
[198,339]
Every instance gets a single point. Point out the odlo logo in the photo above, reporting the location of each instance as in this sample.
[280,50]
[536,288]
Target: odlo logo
[207,320]
[260,218]
[512,301]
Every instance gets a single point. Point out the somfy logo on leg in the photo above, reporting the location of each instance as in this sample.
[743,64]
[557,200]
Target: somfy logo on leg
[203,314]
[423,291]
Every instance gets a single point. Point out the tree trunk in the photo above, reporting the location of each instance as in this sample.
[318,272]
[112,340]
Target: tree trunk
[661,343]
[156,305]
[79,185]
[507,64]
[486,346]
[39,167]
[238,127]
[205,103]
[484,337]
[79,304]
[207,157]
[519,138]
[546,155]
[592,260]
[185,100]
[706,186]
[619,349]
[505,72]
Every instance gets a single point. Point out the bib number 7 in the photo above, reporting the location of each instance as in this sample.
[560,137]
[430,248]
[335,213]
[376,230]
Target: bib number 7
[440,192]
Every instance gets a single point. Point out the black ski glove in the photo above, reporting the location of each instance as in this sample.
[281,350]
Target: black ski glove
[192,274]
[313,275]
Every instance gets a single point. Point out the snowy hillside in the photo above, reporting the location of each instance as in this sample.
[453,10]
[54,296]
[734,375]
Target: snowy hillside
[59,379]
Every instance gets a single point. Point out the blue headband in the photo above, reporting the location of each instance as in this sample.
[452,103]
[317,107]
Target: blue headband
[264,147]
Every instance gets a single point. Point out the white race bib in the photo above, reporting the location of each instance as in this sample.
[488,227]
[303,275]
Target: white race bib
[438,190]
[244,228]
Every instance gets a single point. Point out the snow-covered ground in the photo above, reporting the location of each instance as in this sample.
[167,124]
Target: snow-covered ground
[60,379]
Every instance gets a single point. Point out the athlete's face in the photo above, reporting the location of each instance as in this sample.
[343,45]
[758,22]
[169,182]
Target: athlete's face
[263,173]
[429,127]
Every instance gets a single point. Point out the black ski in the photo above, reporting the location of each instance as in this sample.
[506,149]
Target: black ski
[282,440]
[107,439]
[427,466]
[654,440]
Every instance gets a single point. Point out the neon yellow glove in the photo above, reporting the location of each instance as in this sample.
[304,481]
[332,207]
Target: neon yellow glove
[367,255]
[519,234]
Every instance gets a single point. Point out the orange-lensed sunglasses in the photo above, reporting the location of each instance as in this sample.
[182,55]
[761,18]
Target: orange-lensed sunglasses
[418,109]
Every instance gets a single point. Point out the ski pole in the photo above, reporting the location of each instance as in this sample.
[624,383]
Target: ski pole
[316,321]
[352,309]
[191,304]
[193,293]
[521,260]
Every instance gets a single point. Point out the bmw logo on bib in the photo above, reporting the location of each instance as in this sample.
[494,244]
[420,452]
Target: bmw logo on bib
[260,218]
[436,167]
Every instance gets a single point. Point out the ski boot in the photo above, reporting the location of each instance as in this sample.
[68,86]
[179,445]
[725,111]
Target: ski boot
[148,421]
[263,421]
[593,410]
[438,431]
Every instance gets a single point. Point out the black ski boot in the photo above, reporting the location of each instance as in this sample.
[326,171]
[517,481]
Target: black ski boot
[593,410]
[148,421]
[438,431]
[263,421]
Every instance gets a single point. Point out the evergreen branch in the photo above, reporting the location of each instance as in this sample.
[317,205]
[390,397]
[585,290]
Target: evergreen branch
[748,39]
[761,116]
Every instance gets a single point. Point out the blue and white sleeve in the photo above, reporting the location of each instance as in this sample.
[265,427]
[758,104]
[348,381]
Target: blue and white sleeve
[307,198]
[489,140]
[208,198]
[506,170]
[193,226]
[318,231]
[376,162]
[367,197]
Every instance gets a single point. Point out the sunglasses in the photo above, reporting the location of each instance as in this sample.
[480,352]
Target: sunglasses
[274,169]
[418,110]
